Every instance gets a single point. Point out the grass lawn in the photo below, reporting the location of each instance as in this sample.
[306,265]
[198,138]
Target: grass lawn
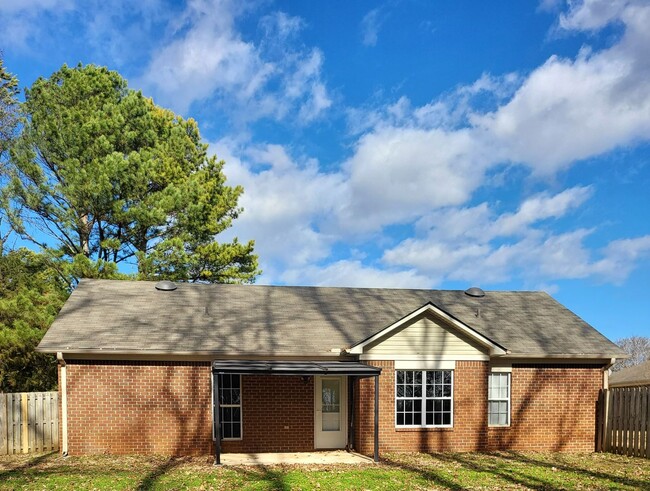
[503,470]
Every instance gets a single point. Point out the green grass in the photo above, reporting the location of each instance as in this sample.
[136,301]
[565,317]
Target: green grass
[491,471]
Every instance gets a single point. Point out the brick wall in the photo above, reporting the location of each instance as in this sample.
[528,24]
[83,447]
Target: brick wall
[470,421]
[278,415]
[139,407]
[552,409]
[166,408]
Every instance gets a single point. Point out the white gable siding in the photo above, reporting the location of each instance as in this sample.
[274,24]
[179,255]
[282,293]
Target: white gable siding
[425,336]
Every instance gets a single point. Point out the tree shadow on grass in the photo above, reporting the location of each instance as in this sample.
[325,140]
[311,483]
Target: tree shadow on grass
[517,473]
[157,472]
[274,475]
[430,475]
[527,459]
[26,466]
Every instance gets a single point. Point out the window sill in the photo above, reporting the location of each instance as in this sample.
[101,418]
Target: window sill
[231,439]
[497,427]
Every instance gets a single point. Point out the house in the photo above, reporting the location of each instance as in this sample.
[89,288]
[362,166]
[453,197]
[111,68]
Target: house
[633,376]
[193,368]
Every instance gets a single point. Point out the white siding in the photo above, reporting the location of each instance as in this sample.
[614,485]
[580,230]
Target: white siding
[425,336]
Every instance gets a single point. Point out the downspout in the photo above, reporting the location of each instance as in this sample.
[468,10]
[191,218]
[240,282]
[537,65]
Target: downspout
[64,405]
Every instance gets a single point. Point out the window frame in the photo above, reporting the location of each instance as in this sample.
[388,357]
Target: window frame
[507,400]
[222,406]
[424,399]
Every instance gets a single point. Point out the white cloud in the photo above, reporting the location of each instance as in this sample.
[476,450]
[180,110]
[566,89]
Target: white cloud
[355,274]
[284,202]
[20,19]
[423,165]
[207,59]
[370,25]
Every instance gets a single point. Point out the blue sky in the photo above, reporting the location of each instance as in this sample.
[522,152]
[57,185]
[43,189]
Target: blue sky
[406,143]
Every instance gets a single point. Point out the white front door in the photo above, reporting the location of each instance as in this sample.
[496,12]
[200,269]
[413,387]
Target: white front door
[331,429]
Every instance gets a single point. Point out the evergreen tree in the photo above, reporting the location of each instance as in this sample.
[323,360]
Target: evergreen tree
[31,294]
[100,176]
[8,106]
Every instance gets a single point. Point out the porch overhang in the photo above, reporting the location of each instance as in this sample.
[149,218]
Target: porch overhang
[287,368]
[301,368]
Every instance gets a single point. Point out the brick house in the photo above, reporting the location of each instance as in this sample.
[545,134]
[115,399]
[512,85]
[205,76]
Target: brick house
[193,369]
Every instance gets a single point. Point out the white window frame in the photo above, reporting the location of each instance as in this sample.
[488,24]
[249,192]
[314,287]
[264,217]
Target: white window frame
[424,399]
[500,399]
[221,406]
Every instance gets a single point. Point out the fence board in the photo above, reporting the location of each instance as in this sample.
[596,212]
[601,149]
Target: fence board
[54,423]
[29,422]
[3,424]
[624,413]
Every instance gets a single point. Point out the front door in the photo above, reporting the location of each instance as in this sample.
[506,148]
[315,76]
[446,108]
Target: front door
[331,412]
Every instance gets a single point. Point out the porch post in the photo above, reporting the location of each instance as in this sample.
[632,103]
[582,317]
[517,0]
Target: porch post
[376,418]
[351,381]
[216,423]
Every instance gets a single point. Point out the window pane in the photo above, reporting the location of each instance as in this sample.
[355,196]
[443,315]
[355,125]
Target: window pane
[400,418]
[447,376]
[408,418]
[400,391]
[417,418]
[236,430]
[418,378]
[409,377]
[400,376]
[417,391]
[400,406]
[446,391]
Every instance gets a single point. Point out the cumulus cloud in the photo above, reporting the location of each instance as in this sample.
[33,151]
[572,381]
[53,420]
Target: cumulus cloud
[564,111]
[353,273]
[284,202]
[207,58]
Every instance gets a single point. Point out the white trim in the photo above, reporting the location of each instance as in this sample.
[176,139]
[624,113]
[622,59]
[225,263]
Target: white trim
[508,400]
[464,328]
[425,365]
[424,399]
[388,357]
[501,369]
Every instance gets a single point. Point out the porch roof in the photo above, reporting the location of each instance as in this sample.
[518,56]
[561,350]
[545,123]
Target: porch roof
[276,367]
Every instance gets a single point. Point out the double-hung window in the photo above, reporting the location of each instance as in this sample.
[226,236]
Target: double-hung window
[230,406]
[499,399]
[424,398]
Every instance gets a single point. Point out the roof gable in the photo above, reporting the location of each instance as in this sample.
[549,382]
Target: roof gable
[428,335]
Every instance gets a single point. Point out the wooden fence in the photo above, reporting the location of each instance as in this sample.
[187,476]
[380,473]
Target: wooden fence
[29,422]
[623,424]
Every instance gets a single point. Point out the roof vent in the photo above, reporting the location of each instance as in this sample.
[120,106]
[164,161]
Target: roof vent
[475,291]
[166,286]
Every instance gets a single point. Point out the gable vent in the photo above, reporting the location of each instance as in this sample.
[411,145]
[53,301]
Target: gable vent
[475,291]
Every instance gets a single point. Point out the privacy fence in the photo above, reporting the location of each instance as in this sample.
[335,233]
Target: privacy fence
[29,422]
[624,421]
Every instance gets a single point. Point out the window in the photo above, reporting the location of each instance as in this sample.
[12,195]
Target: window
[499,399]
[424,397]
[230,406]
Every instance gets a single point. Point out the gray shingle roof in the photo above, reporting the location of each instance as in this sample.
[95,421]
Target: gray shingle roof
[635,375]
[278,320]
